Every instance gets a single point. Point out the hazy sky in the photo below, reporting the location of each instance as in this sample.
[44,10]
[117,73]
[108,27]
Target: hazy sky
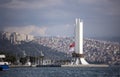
[57,17]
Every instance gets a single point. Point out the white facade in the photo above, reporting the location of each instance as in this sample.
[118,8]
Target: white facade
[17,38]
[2,63]
[21,37]
[7,35]
[29,37]
[2,56]
[47,62]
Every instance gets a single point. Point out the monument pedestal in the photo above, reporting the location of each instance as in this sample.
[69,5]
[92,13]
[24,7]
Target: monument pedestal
[79,59]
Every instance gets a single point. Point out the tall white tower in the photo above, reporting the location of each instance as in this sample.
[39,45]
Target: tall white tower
[78,55]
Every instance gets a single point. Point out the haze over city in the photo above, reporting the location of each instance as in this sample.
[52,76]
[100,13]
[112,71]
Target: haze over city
[57,17]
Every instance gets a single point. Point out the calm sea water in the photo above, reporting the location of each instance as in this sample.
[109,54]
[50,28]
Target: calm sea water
[62,72]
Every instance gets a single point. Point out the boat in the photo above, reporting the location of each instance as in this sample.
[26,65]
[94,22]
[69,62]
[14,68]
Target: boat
[3,65]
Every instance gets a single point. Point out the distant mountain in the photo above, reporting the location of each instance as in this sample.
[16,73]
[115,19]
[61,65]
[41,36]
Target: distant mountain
[32,49]
[95,51]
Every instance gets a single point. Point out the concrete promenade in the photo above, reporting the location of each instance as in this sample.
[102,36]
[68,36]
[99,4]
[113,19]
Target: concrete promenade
[89,65]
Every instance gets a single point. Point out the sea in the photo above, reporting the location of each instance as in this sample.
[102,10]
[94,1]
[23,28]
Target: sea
[62,72]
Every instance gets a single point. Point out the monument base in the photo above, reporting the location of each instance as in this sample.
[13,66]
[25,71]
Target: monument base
[78,59]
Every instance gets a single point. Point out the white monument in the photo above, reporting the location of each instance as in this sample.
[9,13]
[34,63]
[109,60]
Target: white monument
[78,54]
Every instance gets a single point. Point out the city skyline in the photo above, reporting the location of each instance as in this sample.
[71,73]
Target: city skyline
[101,18]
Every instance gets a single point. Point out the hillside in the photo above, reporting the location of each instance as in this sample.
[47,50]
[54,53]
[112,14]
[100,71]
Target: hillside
[30,49]
[95,51]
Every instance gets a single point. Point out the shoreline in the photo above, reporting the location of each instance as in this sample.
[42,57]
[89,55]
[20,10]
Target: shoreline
[18,66]
[89,65]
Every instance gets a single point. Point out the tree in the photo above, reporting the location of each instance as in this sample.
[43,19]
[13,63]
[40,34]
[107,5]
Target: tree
[23,60]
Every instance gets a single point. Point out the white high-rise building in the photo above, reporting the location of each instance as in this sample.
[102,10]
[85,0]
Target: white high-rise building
[29,37]
[17,38]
